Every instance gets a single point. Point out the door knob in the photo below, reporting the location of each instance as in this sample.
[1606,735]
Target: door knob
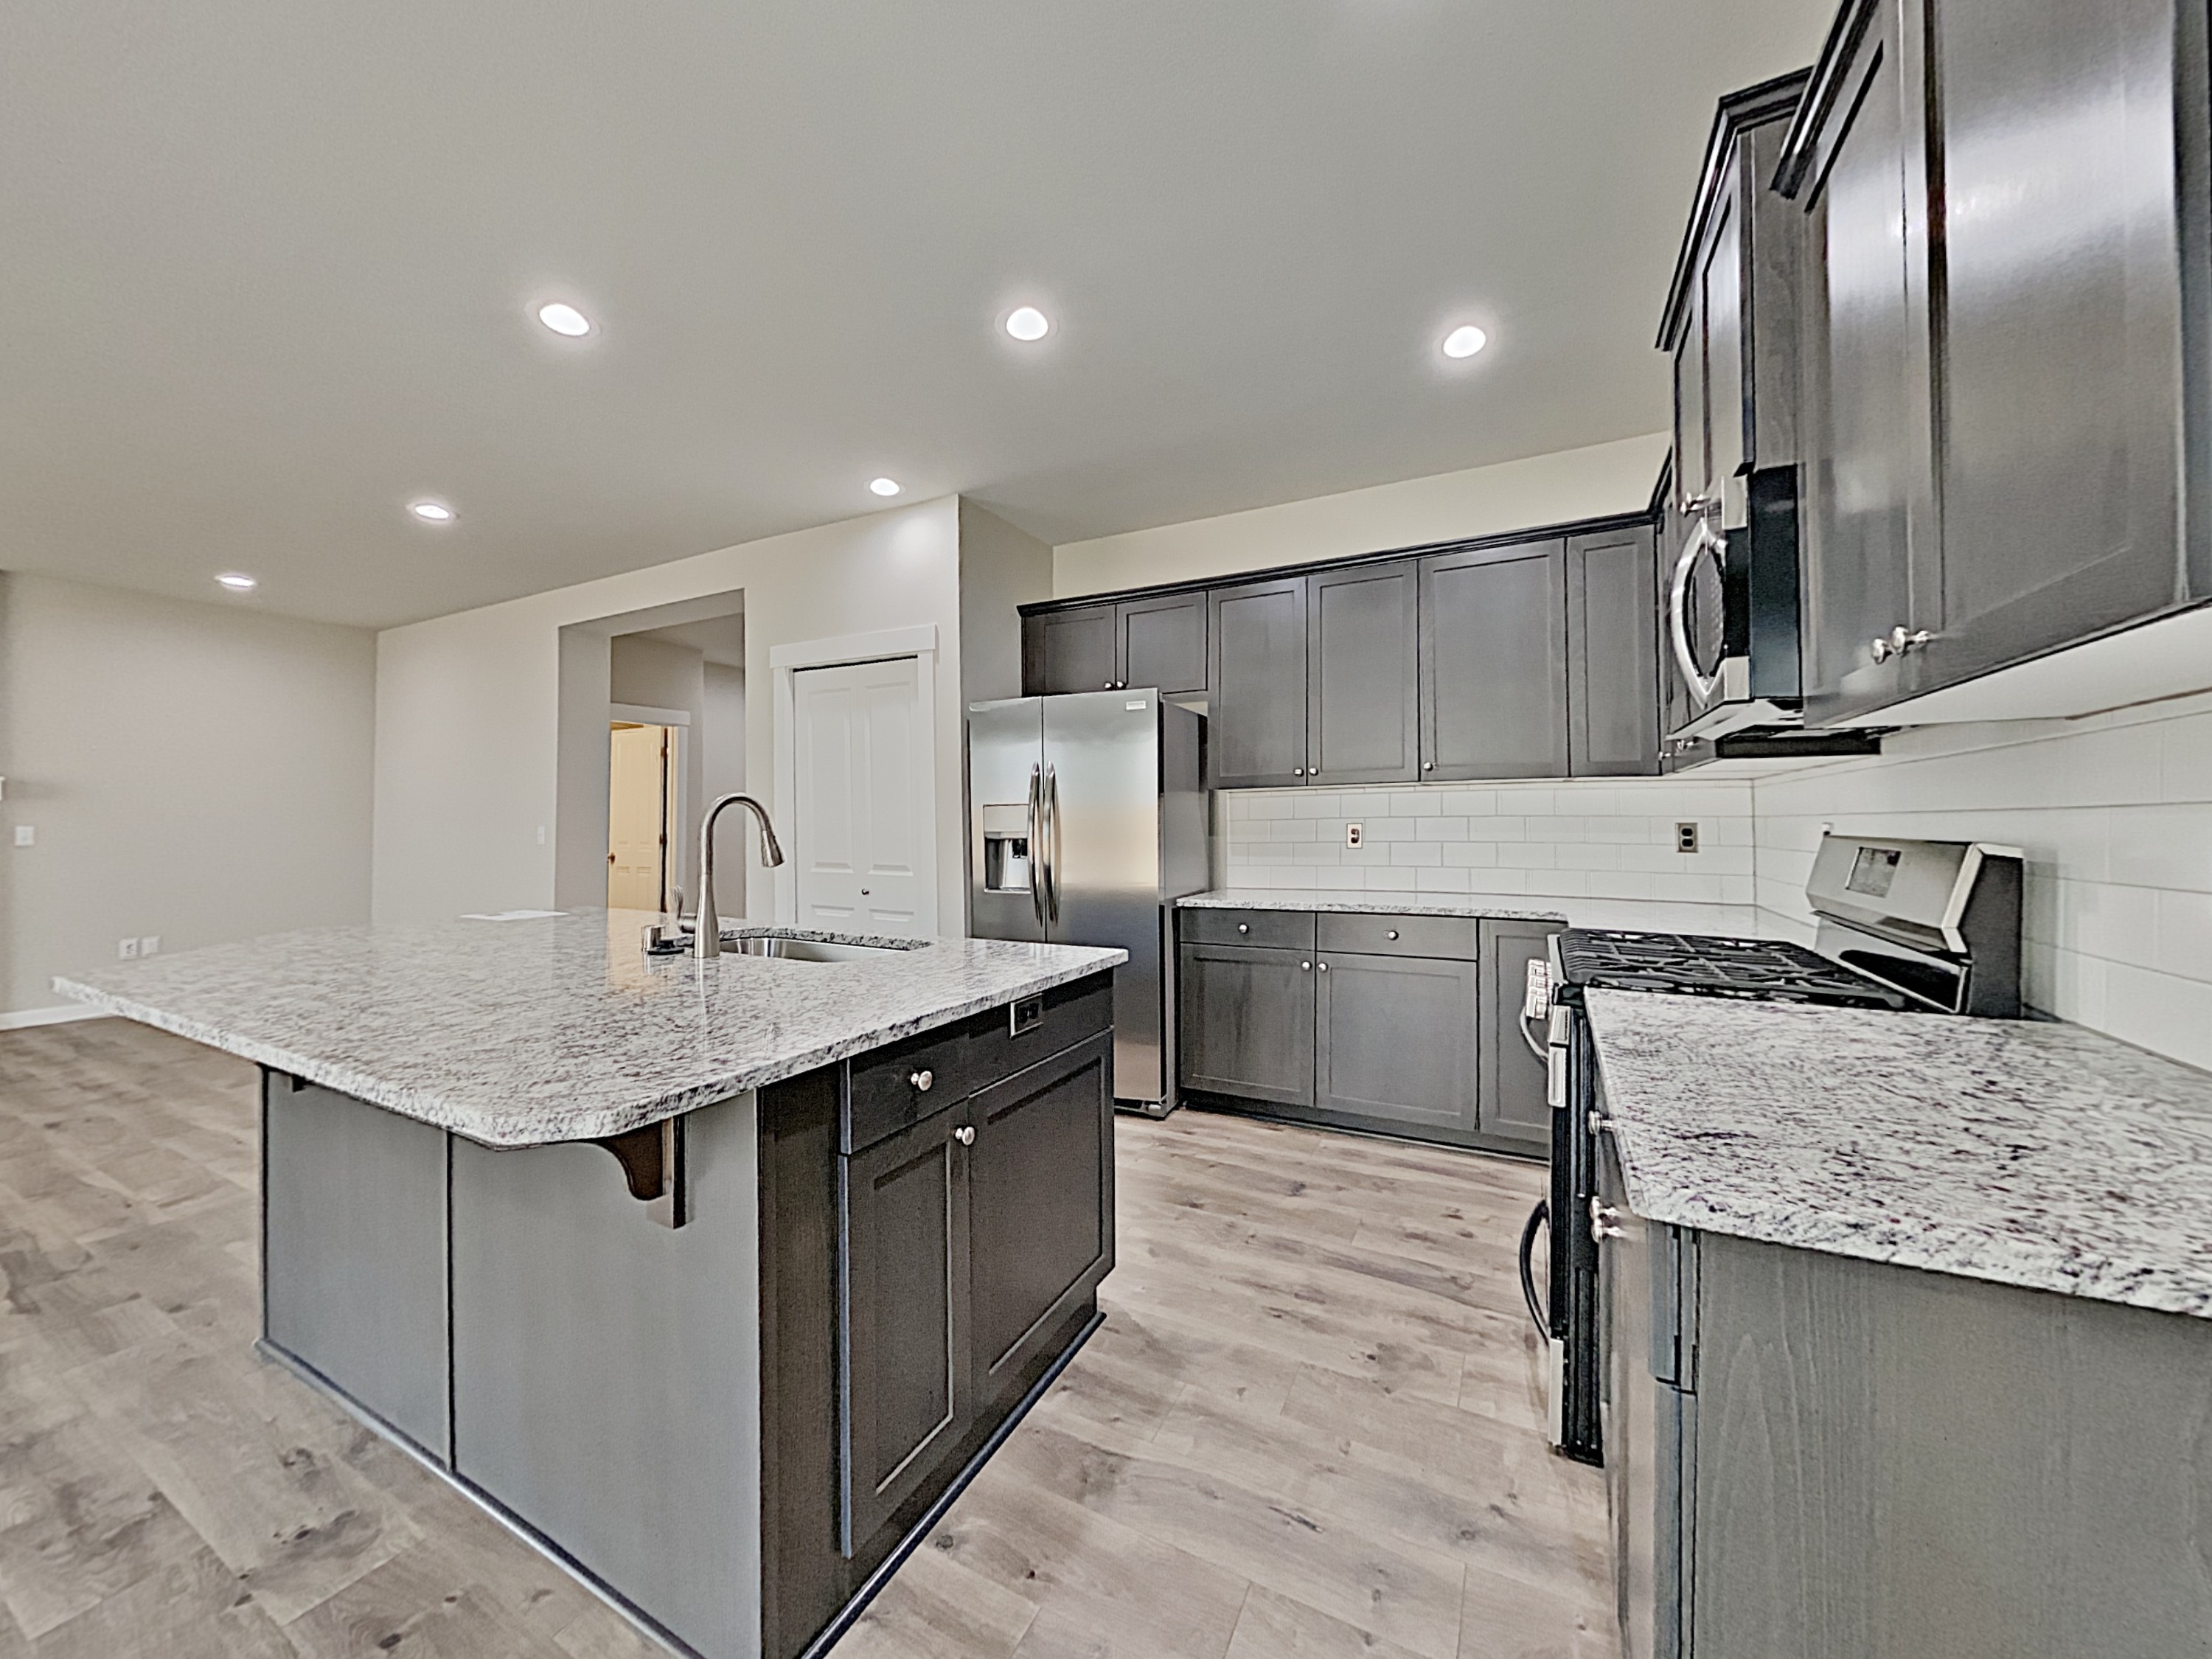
[921,1081]
[965,1135]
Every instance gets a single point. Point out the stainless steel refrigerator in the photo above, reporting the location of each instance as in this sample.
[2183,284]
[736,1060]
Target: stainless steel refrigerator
[1087,820]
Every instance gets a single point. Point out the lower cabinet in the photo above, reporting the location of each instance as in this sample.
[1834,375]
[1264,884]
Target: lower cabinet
[1400,1024]
[972,1239]
[1812,1456]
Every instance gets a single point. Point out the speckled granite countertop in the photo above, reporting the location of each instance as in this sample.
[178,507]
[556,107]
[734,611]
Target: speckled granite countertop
[2027,1153]
[1392,904]
[516,1033]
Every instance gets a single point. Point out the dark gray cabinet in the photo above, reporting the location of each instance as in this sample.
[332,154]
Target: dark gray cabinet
[1247,1021]
[1071,651]
[1041,1205]
[1257,732]
[1493,662]
[354,1251]
[1857,162]
[1515,1105]
[1363,688]
[1158,642]
[1394,1042]
[1400,1024]
[1162,643]
[1612,655]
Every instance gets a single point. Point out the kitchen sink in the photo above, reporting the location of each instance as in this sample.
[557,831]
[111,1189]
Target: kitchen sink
[795,947]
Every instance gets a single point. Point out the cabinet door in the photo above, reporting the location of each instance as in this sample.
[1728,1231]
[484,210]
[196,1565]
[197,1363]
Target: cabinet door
[1257,733]
[1163,644]
[1363,697]
[1069,651]
[1041,1211]
[1394,1042]
[1515,1106]
[906,1388]
[1248,1023]
[1859,167]
[2061,339]
[1494,663]
[1612,655]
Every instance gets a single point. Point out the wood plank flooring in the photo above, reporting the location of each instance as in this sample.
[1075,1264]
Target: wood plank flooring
[1309,1427]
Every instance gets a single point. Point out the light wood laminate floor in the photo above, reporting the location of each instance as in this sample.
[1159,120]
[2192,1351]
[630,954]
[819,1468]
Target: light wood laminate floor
[1311,1425]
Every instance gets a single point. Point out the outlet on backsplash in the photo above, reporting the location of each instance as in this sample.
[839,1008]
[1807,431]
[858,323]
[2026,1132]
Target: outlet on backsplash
[1351,835]
[1686,838]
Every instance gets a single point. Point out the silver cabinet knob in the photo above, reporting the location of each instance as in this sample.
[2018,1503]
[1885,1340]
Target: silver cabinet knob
[1305,966]
[1243,926]
[1428,766]
[1108,686]
[1297,771]
[921,1081]
[1898,640]
[1323,966]
[1605,1222]
[1391,933]
[965,1135]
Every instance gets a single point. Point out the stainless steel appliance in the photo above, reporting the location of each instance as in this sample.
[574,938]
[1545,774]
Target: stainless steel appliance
[1925,926]
[1087,820]
[1731,610]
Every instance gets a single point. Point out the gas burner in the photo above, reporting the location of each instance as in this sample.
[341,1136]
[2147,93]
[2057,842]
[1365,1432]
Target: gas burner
[1704,965]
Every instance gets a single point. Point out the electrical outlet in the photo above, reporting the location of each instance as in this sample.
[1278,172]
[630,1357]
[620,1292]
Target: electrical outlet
[1353,833]
[26,834]
[150,945]
[126,950]
[1686,838]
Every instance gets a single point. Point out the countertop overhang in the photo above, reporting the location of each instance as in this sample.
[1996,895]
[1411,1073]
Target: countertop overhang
[2023,1153]
[519,1033]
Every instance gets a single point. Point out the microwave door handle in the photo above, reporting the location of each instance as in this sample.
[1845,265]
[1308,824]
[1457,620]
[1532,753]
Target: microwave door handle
[1702,686]
[1036,823]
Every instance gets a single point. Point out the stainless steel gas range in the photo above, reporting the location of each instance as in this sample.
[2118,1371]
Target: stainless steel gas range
[1925,926]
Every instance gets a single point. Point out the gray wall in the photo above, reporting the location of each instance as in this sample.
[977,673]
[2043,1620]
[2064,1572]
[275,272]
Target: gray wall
[197,772]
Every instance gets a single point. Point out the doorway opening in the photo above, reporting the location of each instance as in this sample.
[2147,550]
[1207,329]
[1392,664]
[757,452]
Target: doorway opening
[645,805]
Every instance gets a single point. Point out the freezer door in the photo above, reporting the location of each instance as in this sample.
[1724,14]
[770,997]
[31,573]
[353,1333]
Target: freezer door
[1102,782]
[1005,776]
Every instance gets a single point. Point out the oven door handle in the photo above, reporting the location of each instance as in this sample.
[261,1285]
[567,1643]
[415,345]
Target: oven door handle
[1539,1219]
[1543,1053]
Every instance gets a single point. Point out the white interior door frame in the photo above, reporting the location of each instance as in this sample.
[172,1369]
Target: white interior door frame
[784,661]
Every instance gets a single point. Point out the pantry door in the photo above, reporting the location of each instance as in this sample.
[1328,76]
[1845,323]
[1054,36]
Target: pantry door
[861,755]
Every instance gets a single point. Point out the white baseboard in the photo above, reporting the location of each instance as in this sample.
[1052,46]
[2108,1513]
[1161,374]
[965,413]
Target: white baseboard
[60,1016]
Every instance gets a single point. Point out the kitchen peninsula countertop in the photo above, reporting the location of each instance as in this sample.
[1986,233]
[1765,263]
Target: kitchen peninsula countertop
[2022,1152]
[522,1032]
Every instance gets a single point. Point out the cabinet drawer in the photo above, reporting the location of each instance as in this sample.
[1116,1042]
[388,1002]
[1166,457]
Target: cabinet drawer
[1399,936]
[1286,930]
[883,1096]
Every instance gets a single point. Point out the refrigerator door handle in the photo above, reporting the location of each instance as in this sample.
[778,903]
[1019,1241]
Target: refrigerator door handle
[1036,841]
[1051,846]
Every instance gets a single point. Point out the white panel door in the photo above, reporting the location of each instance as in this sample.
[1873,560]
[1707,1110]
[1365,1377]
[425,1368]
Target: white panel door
[861,768]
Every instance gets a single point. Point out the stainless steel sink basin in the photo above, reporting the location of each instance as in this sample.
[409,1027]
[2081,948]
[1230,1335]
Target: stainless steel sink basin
[791,947]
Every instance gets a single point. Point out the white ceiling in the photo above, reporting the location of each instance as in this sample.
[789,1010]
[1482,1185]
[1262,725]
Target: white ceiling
[264,266]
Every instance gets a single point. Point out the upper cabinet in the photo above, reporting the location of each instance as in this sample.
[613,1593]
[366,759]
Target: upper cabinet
[2007,201]
[1494,671]
[1257,698]
[1363,711]
[1157,643]
[1612,667]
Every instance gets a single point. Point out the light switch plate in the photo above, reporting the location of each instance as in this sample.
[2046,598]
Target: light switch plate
[1353,833]
[26,834]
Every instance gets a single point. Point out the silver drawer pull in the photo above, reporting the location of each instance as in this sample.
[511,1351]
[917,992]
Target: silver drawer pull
[1243,926]
[921,1081]
[965,1135]
[1391,934]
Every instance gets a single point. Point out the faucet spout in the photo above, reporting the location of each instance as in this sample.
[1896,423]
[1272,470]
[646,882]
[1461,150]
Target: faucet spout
[707,936]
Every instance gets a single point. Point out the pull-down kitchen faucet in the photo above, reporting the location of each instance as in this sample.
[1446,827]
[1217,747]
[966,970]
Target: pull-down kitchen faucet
[707,934]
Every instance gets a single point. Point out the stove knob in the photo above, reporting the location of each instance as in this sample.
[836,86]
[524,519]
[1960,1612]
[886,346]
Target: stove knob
[1598,1125]
[1605,1222]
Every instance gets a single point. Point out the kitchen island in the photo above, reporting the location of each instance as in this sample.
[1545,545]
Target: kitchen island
[716,1280]
[1908,1334]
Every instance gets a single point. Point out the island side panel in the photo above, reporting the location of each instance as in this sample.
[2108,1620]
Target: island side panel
[606,1369]
[354,1251]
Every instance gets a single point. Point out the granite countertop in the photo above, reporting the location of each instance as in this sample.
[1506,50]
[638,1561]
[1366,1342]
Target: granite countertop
[1386,904]
[519,1032]
[2042,1155]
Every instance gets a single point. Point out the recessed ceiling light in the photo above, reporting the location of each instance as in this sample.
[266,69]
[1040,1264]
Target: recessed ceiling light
[565,319]
[1028,323]
[431,512]
[1465,341]
[884,486]
[238,581]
